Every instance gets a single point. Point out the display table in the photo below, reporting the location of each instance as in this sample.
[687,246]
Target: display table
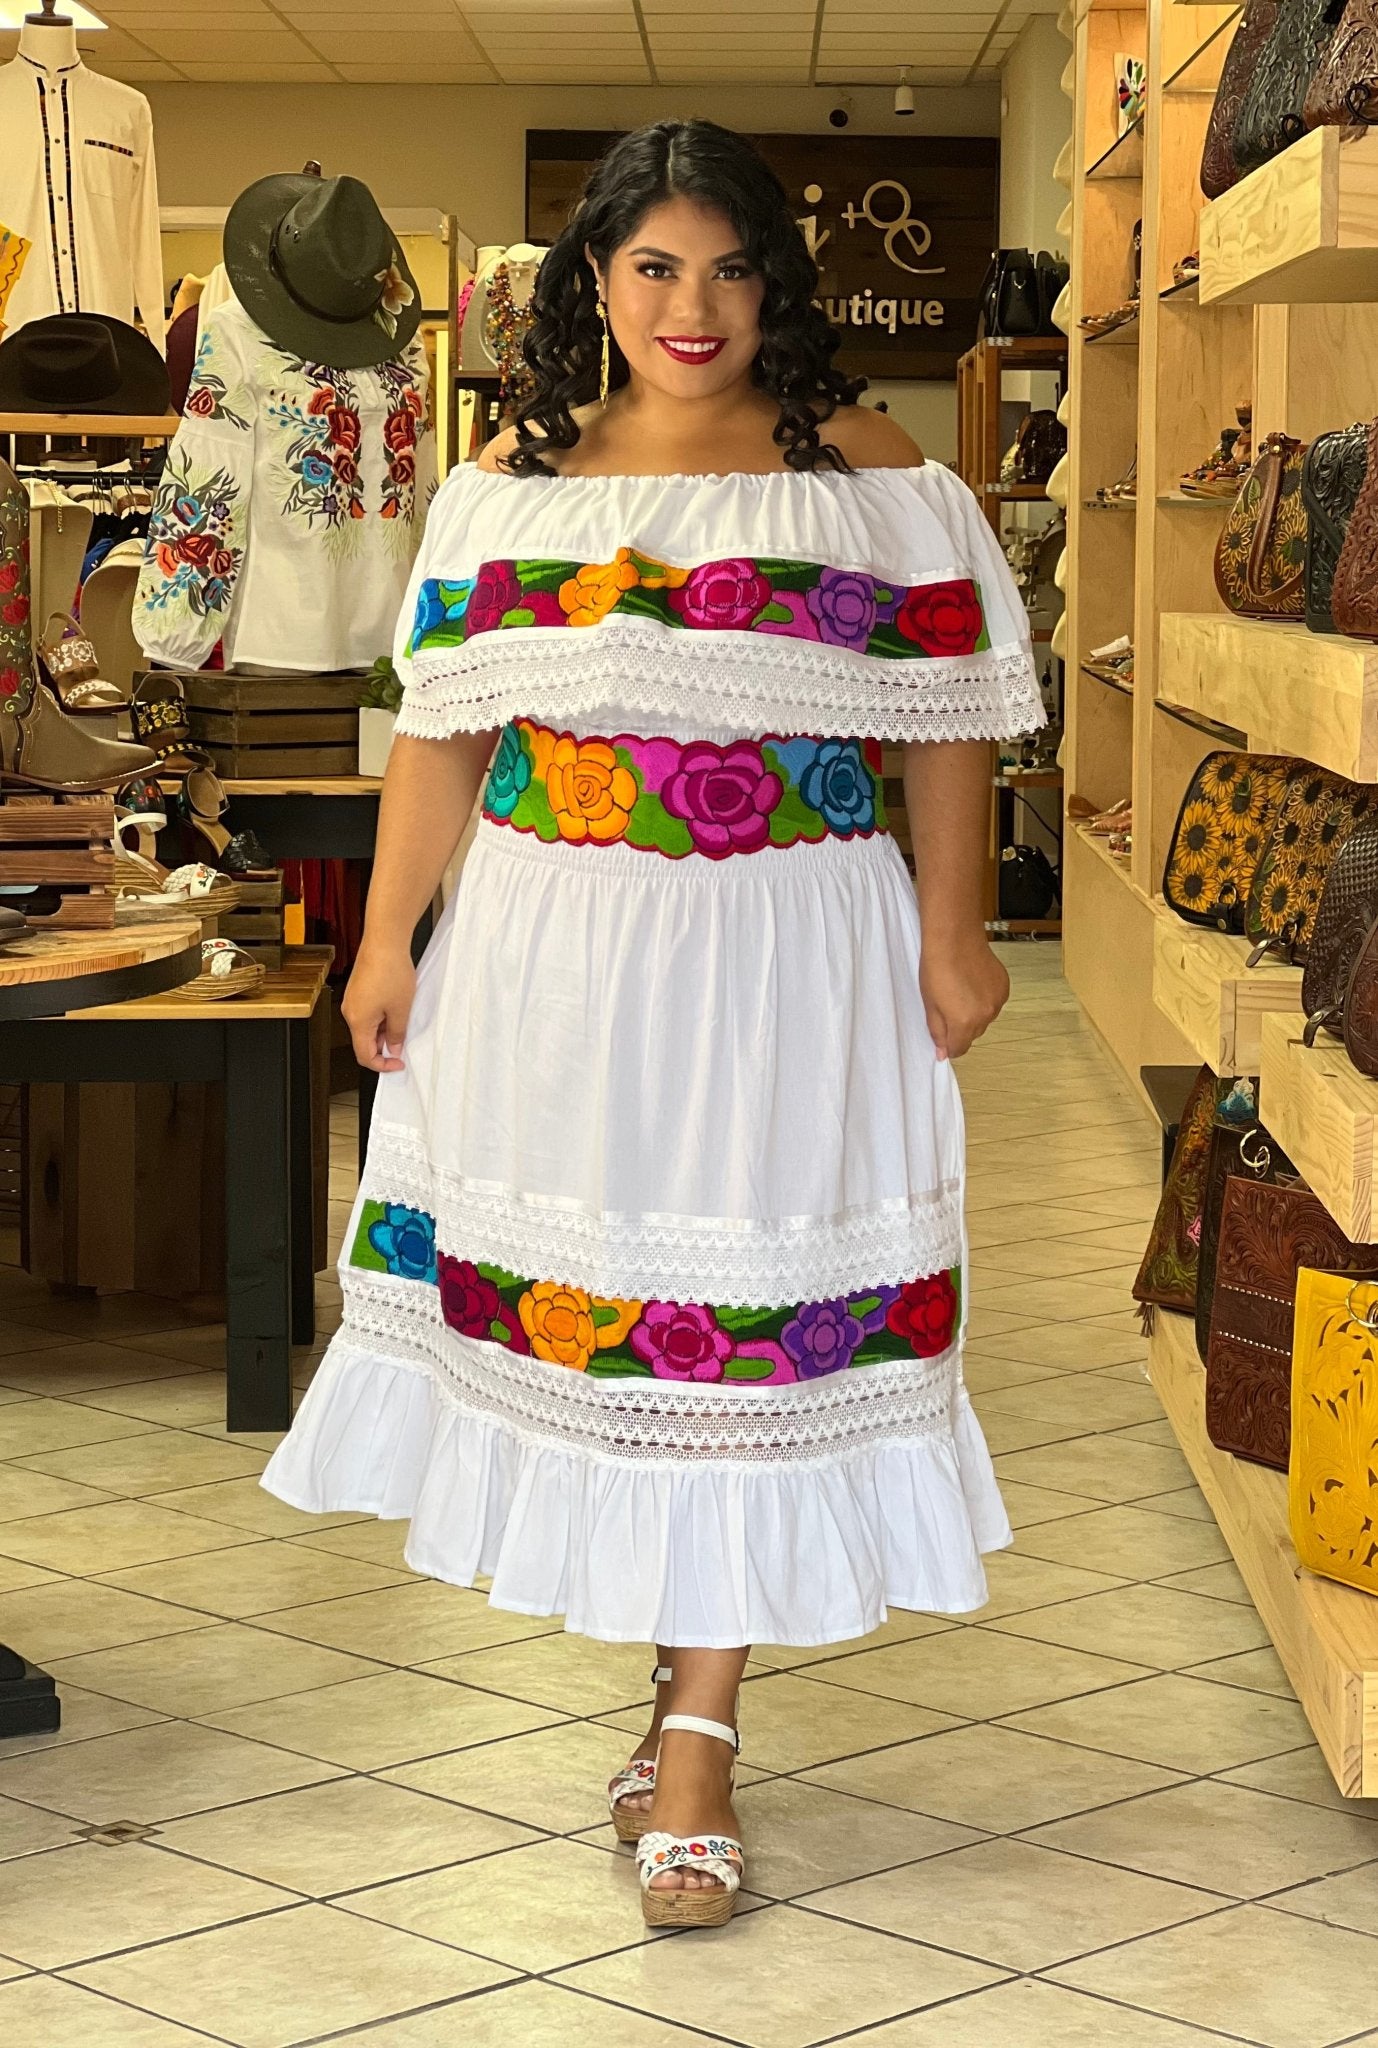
[49,973]
[259,1046]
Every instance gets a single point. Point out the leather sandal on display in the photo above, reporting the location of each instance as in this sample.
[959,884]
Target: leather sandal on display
[247,858]
[140,815]
[717,1856]
[202,803]
[42,748]
[67,662]
[634,1780]
[145,886]
[158,712]
[13,924]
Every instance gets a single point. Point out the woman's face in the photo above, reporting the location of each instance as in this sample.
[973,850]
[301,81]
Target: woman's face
[683,300]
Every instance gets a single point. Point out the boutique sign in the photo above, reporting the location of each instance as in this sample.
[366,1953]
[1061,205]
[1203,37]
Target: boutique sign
[901,228]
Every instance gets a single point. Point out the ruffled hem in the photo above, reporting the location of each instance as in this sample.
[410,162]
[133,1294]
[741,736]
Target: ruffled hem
[707,1555]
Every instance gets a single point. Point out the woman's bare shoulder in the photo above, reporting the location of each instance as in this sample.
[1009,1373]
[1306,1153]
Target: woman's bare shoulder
[493,455]
[871,439]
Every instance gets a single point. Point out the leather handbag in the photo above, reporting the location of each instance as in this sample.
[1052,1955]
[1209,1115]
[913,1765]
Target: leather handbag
[1009,301]
[1332,1485]
[1359,1011]
[1331,478]
[1220,836]
[1268,1232]
[1354,595]
[1039,447]
[1348,907]
[1053,273]
[1248,1152]
[1271,114]
[1260,558]
[1218,168]
[1318,812]
[1344,87]
[1168,1270]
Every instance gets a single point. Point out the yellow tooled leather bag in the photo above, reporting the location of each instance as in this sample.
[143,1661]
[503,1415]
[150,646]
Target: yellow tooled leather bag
[1332,1485]
[1260,558]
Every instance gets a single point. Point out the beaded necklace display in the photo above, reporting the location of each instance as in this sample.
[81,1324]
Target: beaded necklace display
[505,327]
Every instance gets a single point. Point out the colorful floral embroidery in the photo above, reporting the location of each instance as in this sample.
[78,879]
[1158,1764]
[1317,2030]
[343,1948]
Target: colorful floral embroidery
[401,432]
[192,538]
[323,440]
[676,797]
[208,394]
[668,1340]
[802,600]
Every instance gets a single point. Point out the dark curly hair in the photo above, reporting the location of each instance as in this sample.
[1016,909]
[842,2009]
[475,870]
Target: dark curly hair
[699,160]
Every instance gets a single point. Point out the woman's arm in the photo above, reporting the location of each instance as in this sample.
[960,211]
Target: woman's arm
[947,795]
[428,794]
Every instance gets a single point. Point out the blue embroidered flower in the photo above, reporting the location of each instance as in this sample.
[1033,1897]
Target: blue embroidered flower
[439,604]
[509,775]
[405,1240]
[837,783]
[316,471]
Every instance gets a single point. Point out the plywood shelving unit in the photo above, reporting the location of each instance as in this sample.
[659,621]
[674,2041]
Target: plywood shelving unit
[1285,316]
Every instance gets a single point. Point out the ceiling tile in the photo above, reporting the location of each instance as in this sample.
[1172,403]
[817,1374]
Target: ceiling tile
[267,45]
[139,74]
[145,21]
[406,74]
[548,23]
[173,11]
[567,69]
[247,72]
[399,48]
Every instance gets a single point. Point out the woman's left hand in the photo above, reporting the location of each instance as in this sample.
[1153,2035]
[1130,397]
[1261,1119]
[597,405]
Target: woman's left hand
[964,989]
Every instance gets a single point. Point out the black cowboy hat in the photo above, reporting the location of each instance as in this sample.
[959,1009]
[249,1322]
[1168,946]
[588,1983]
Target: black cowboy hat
[315,264]
[82,362]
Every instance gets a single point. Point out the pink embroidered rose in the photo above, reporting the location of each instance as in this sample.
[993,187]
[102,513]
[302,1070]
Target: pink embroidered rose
[200,403]
[725,795]
[844,605]
[681,1341]
[496,591]
[721,594]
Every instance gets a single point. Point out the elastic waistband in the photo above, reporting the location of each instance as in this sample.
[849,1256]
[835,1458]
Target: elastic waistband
[679,797]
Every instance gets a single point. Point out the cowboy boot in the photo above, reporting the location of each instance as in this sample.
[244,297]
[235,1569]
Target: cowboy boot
[16,637]
[42,748]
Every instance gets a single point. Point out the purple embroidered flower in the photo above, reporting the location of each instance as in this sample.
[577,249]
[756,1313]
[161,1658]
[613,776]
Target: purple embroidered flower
[721,594]
[844,604]
[823,1337]
[725,795]
[496,591]
[681,1341]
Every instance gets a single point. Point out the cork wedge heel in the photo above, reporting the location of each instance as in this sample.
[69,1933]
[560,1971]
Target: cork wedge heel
[639,1776]
[718,1856]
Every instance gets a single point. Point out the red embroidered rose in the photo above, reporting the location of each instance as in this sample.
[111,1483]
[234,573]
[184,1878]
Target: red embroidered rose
[9,576]
[402,470]
[468,1302]
[322,401]
[346,472]
[9,681]
[343,425]
[199,548]
[16,612]
[399,431]
[925,1313]
[942,618]
[221,562]
[200,403]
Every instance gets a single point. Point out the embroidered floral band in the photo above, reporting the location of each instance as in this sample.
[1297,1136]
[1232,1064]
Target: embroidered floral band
[801,600]
[668,1340]
[676,797]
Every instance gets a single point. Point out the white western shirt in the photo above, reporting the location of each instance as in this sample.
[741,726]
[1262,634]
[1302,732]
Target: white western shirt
[77,179]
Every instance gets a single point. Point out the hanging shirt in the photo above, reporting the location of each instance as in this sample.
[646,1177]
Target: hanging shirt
[290,508]
[77,179]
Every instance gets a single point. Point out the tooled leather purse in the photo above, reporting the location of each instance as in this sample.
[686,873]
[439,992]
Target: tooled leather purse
[1218,168]
[1318,812]
[1344,87]
[1039,447]
[1248,1152]
[1268,1231]
[1359,1011]
[1348,907]
[1271,114]
[1331,478]
[1260,558]
[1168,1269]
[1354,596]
[1220,836]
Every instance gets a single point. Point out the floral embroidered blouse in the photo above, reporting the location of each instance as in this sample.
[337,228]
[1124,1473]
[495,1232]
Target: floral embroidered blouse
[290,510]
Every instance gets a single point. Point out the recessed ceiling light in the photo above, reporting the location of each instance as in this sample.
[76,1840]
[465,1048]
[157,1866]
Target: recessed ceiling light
[12,13]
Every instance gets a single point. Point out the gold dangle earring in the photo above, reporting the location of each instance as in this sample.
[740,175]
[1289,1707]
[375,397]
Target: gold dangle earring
[607,354]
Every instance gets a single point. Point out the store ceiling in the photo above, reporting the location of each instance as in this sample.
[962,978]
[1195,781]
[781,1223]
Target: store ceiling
[556,42]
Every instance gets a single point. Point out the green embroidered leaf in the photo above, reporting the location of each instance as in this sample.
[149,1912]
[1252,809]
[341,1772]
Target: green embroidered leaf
[652,825]
[534,813]
[362,1253]
[863,1305]
[523,616]
[617,1365]
[603,1315]
[789,575]
[544,574]
[883,1343]
[751,1321]
[501,1278]
[774,614]
[739,1368]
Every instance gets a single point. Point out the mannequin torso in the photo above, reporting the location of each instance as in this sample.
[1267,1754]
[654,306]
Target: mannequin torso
[51,45]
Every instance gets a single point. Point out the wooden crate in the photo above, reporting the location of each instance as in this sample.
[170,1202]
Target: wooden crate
[62,843]
[272,725]
[256,921]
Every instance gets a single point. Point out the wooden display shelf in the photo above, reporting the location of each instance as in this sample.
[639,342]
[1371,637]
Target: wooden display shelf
[1324,1114]
[93,426]
[1290,691]
[1325,1634]
[1015,494]
[1302,229]
[1201,983]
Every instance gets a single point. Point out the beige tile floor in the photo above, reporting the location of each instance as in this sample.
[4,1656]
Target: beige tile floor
[368,1809]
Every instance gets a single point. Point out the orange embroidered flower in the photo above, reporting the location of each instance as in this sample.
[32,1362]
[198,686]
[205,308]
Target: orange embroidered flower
[566,1326]
[592,591]
[590,793]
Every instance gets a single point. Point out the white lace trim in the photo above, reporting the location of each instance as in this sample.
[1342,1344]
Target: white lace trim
[644,1421]
[729,1261]
[687,682]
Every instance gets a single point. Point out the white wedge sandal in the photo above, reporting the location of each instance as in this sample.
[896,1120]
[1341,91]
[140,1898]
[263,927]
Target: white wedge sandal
[639,1776]
[718,1856]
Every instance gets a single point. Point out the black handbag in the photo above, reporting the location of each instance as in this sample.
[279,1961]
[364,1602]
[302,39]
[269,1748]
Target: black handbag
[1028,884]
[1271,115]
[1010,303]
[1053,273]
[1331,478]
[1041,445]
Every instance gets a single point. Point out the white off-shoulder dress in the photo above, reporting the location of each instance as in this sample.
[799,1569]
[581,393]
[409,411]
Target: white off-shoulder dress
[654,1287]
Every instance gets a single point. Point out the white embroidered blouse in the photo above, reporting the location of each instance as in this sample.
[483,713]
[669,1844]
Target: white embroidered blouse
[290,510]
[869,603]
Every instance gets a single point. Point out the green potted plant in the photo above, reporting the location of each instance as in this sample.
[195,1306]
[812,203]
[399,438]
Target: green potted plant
[379,704]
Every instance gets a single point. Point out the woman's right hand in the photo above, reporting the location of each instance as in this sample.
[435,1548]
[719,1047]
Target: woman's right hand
[377,1004]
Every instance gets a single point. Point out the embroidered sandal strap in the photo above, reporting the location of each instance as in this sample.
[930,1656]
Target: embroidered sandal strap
[718,1856]
[640,1774]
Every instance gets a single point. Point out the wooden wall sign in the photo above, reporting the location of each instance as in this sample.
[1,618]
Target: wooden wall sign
[902,228]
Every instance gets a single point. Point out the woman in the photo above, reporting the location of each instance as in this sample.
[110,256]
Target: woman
[653,1288]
